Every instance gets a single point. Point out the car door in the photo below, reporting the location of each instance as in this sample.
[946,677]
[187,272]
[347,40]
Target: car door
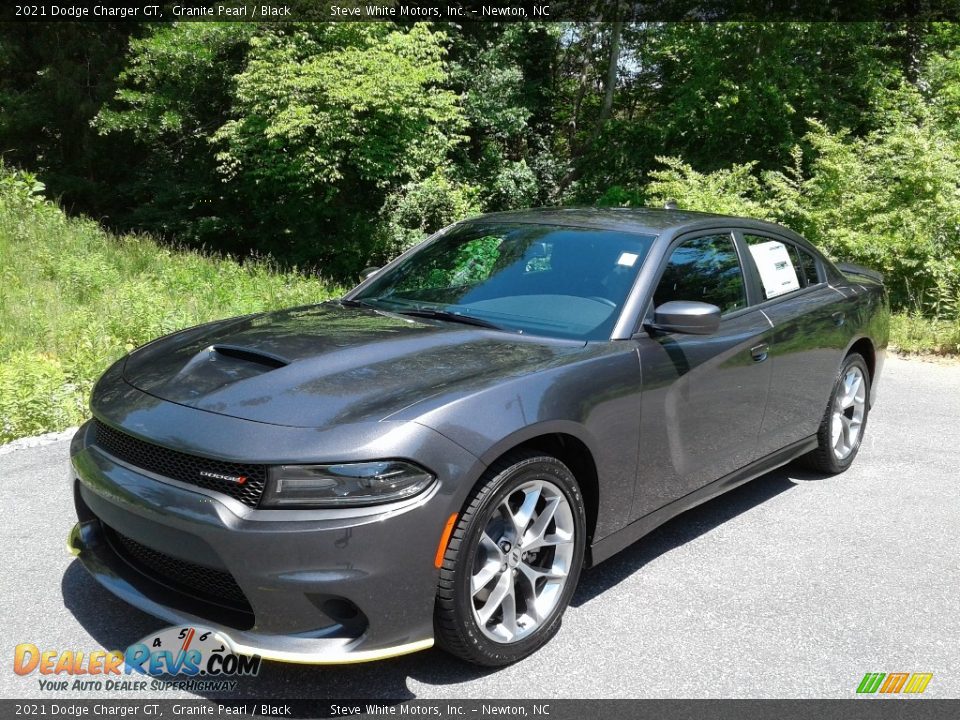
[702,397]
[809,335]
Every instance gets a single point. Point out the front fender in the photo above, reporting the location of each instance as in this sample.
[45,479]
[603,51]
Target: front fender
[596,401]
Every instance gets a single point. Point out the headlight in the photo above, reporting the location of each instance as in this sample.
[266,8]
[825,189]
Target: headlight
[366,483]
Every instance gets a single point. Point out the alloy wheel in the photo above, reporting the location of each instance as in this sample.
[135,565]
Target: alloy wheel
[523,561]
[849,410]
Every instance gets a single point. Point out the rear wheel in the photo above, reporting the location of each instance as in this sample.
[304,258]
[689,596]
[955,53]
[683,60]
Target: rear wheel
[512,562]
[841,430]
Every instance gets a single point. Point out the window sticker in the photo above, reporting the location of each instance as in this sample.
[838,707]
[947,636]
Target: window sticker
[628,259]
[776,269]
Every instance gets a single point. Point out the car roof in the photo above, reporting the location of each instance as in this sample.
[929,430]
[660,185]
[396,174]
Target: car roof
[648,221]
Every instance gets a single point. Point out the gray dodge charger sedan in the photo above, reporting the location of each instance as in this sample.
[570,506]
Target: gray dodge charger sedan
[435,456]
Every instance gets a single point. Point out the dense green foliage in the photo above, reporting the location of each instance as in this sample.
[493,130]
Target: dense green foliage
[336,146]
[284,141]
[889,200]
[73,298]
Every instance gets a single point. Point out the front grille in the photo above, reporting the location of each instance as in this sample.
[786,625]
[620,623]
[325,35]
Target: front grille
[200,581]
[181,466]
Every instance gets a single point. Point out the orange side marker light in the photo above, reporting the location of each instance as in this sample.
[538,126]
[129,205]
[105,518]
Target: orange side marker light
[444,539]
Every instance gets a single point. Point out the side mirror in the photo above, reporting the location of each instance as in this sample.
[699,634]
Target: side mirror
[686,316]
[368,273]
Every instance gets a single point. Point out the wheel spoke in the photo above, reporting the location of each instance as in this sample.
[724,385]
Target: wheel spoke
[528,580]
[533,574]
[846,399]
[844,433]
[552,540]
[483,576]
[491,546]
[503,587]
[855,385]
[852,385]
[534,537]
[509,607]
[836,429]
[521,518]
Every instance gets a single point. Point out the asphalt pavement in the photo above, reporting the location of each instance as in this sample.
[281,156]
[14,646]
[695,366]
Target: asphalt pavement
[794,585]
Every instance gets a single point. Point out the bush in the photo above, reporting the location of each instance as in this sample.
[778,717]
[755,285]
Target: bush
[515,185]
[734,191]
[620,196]
[888,200]
[19,188]
[36,396]
[915,333]
[419,209]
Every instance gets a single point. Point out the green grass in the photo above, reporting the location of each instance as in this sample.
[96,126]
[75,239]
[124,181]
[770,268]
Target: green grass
[925,336]
[74,297]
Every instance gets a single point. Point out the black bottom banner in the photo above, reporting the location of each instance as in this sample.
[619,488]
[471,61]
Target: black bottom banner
[853,709]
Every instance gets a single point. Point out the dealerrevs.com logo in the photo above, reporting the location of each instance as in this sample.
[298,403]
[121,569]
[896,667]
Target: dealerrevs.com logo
[187,658]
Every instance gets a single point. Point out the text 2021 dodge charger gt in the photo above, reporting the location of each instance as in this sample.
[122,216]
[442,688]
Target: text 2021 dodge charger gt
[435,456]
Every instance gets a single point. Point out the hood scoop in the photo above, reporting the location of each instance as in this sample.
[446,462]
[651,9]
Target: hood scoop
[249,355]
[218,366]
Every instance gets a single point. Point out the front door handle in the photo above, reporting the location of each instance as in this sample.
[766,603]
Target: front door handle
[839,318]
[760,352]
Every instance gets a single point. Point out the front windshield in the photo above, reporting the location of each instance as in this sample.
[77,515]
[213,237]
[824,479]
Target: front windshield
[548,280]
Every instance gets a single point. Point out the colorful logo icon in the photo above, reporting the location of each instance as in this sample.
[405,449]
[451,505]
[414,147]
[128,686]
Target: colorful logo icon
[894,683]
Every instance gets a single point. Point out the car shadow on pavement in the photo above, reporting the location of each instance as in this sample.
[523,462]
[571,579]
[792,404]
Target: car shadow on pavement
[115,625]
[686,527]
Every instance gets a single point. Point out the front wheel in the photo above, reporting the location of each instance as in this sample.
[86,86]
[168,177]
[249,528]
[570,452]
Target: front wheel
[841,430]
[512,562]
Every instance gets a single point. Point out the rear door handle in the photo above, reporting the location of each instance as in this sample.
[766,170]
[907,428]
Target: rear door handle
[839,318]
[760,352]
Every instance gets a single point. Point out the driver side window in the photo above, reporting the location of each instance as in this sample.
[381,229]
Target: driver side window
[706,269]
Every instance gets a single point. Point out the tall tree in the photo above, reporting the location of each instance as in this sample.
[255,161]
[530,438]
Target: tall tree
[736,92]
[53,80]
[291,136]
[608,70]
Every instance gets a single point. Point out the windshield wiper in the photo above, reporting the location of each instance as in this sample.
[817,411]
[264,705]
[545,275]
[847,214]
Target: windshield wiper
[447,315]
[354,303]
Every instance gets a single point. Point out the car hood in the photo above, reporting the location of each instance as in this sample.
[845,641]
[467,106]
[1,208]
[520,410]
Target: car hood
[328,364]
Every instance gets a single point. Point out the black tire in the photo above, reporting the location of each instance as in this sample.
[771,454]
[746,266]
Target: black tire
[457,630]
[824,459]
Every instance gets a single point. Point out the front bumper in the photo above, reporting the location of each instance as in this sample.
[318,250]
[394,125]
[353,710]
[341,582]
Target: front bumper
[86,542]
[327,586]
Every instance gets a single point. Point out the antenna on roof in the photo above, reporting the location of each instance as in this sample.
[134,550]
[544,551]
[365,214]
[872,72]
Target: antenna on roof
[670,204]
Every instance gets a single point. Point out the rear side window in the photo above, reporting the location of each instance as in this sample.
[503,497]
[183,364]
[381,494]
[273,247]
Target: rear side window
[705,269]
[806,266]
[783,267]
